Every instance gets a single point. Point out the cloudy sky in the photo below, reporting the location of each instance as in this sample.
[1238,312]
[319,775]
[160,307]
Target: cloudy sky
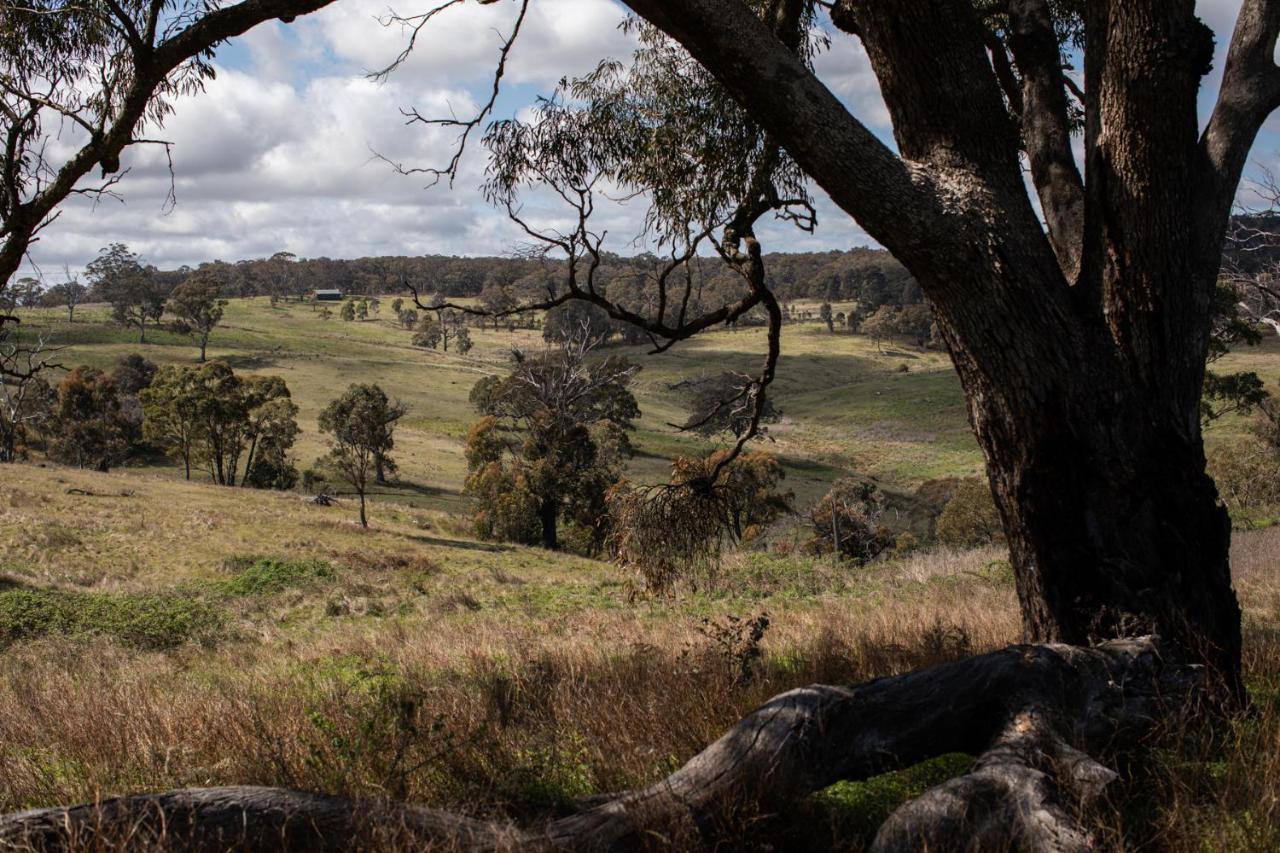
[276,154]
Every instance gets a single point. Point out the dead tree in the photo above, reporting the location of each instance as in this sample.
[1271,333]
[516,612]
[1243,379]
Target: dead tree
[21,366]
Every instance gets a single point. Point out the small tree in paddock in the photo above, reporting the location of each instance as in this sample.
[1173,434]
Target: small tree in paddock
[360,425]
[495,300]
[555,431]
[349,311]
[824,314]
[881,325]
[90,428]
[172,418]
[68,294]
[132,289]
[449,326]
[197,304]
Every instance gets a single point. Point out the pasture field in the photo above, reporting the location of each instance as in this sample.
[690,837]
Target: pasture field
[846,405]
[157,633]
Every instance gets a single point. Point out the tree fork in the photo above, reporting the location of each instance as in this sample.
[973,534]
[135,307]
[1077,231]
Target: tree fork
[1024,709]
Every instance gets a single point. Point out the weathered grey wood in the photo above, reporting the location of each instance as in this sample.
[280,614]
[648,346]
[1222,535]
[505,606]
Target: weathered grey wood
[1020,706]
[1018,796]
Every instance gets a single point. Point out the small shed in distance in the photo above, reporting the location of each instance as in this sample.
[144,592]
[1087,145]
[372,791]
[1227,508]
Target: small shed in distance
[328,295]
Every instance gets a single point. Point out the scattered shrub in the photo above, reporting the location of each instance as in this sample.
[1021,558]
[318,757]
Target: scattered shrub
[846,521]
[678,531]
[265,575]
[970,518]
[1247,475]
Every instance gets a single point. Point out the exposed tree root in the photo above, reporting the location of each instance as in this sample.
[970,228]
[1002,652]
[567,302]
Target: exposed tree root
[1026,710]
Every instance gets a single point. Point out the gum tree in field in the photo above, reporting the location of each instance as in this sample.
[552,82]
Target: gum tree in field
[1080,340]
[68,294]
[197,304]
[360,425]
[131,288]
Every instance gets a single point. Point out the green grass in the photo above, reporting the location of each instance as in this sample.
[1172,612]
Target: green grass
[845,406]
[855,810]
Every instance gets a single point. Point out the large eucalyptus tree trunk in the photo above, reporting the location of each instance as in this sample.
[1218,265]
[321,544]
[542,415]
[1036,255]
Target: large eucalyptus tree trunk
[1078,329]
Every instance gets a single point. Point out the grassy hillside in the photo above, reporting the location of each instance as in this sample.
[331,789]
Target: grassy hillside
[847,405]
[156,633]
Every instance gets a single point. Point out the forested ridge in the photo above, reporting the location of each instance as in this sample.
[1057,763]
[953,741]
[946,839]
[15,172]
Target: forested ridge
[861,273]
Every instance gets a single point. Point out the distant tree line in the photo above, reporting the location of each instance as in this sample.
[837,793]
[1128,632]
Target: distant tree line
[869,276]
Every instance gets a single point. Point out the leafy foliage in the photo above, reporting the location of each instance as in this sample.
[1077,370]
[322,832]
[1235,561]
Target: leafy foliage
[212,416]
[677,532]
[550,444]
[970,517]
[136,295]
[197,304]
[90,428]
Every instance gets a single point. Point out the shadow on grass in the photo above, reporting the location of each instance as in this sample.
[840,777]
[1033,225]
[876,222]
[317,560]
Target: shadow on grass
[248,361]
[459,543]
[8,582]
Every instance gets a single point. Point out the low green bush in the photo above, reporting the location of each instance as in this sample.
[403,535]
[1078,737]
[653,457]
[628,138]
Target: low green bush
[266,575]
[147,621]
[970,518]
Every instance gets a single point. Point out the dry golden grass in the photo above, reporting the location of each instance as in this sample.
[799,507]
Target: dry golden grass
[507,682]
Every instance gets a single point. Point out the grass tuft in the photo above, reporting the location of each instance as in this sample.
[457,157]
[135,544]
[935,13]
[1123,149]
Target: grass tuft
[267,575]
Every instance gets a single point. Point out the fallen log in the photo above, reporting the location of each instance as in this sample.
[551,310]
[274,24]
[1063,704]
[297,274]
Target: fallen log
[1032,712]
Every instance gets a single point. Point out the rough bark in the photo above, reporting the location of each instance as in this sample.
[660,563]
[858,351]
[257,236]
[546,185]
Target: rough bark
[1025,709]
